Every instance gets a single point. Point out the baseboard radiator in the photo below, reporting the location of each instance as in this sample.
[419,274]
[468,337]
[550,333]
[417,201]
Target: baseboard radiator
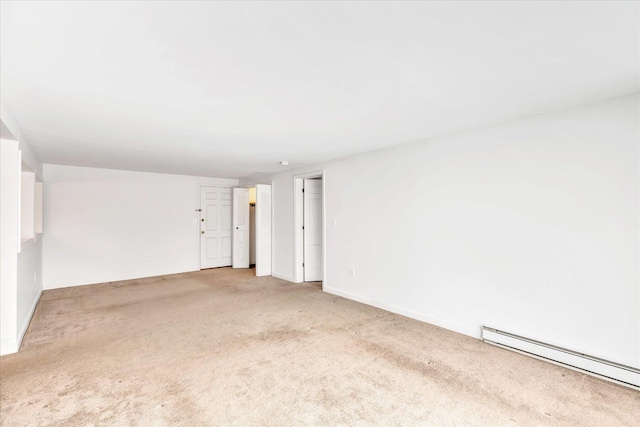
[610,371]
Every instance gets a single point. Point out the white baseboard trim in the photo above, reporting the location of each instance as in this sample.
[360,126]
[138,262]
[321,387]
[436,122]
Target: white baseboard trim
[27,321]
[283,277]
[465,330]
[8,348]
[604,369]
[13,347]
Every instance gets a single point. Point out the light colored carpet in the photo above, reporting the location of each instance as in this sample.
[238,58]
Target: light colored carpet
[222,347]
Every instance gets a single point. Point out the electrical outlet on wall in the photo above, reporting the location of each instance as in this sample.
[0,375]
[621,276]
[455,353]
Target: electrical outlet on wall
[352,272]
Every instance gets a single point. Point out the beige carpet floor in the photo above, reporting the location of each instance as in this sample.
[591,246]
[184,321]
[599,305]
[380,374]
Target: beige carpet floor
[222,347]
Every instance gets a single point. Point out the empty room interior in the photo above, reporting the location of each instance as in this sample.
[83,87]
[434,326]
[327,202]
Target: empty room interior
[320,213]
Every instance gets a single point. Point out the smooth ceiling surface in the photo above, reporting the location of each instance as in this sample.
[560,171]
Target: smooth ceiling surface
[230,89]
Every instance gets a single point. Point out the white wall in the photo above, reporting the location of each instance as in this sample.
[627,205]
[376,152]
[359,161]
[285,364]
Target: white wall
[29,258]
[9,197]
[20,273]
[531,226]
[101,225]
[29,283]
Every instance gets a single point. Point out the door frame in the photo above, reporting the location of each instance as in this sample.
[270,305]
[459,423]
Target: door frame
[298,221]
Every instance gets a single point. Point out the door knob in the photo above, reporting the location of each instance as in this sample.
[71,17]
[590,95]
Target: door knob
[202,232]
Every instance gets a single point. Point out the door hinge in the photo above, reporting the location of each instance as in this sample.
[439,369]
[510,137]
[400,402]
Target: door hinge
[303,264]
[303,227]
[303,190]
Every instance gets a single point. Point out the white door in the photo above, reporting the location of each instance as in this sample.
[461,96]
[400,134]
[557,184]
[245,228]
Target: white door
[241,228]
[312,230]
[263,230]
[215,227]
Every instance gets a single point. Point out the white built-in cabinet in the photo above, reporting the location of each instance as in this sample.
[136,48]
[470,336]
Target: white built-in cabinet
[31,205]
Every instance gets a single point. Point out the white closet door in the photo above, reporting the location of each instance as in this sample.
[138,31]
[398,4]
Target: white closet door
[312,230]
[240,228]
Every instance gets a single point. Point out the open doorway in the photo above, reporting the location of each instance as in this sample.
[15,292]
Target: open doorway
[259,226]
[309,231]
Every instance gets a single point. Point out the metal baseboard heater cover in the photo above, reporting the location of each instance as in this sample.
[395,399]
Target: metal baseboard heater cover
[610,371]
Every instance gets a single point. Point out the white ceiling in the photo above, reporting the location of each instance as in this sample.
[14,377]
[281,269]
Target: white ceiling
[230,89]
